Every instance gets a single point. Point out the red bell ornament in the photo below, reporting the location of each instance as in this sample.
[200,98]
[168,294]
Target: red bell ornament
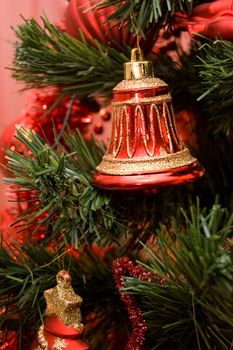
[144,151]
[62,327]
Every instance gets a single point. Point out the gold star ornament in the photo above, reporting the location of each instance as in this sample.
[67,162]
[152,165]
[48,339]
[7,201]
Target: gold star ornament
[63,302]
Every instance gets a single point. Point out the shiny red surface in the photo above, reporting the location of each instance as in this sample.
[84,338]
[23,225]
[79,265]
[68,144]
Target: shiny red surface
[214,19]
[54,328]
[48,126]
[136,131]
[94,24]
[171,177]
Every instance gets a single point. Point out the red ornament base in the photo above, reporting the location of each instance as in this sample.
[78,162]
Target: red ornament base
[56,336]
[153,181]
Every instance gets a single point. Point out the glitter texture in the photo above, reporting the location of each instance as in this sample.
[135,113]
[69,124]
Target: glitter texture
[148,165]
[63,302]
[144,140]
[139,84]
[62,325]
[43,344]
[146,100]
[59,344]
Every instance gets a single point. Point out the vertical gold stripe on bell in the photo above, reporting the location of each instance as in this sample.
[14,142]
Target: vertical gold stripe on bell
[117,130]
[168,126]
[143,127]
[131,152]
[158,117]
[173,126]
[150,132]
[171,148]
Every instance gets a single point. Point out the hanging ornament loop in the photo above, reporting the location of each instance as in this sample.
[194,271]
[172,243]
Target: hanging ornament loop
[144,152]
[137,54]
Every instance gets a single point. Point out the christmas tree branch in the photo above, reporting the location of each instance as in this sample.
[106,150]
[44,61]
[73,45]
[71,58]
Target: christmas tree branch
[46,56]
[63,203]
[204,76]
[215,69]
[63,196]
[193,310]
[144,16]
[193,258]
[23,281]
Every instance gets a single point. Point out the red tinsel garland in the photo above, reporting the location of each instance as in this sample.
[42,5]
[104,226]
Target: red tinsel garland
[121,267]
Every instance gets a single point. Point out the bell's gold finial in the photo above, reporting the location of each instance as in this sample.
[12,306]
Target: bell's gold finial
[138,67]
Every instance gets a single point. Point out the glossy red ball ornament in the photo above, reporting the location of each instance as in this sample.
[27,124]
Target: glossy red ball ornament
[93,23]
[105,115]
[98,128]
[48,121]
[9,233]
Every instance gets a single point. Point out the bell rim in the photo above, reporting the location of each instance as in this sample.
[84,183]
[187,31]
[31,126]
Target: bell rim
[145,165]
[149,181]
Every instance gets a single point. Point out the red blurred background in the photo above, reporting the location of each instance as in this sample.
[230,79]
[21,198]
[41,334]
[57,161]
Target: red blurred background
[11,100]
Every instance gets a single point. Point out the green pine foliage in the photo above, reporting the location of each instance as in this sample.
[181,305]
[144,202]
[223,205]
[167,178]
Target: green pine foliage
[193,309]
[214,67]
[46,56]
[145,16]
[86,228]
[63,197]
[203,78]
[23,281]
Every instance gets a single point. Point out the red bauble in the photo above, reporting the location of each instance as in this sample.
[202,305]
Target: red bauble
[9,233]
[93,24]
[86,116]
[16,203]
